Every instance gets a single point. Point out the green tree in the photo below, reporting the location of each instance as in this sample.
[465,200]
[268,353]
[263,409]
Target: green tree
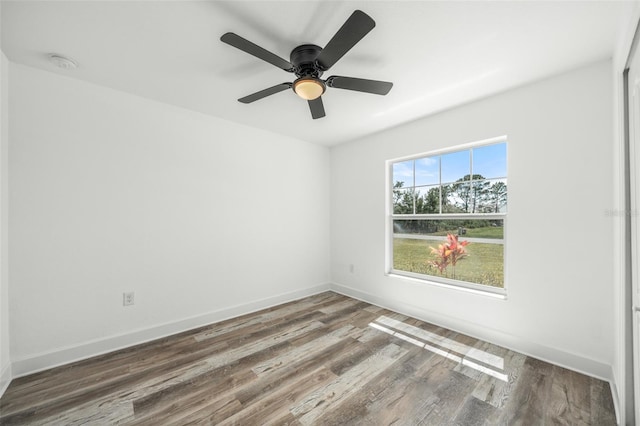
[497,197]
[470,193]
[429,202]
[402,199]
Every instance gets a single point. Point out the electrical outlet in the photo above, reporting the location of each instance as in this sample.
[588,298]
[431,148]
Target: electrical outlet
[352,268]
[128,298]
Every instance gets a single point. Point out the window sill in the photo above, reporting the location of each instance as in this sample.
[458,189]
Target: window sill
[492,292]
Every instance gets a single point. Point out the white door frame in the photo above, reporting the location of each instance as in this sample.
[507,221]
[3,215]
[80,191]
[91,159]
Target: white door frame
[632,209]
[634,189]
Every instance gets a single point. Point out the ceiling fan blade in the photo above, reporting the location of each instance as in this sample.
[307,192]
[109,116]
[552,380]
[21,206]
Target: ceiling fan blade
[352,31]
[255,50]
[264,93]
[360,84]
[317,108]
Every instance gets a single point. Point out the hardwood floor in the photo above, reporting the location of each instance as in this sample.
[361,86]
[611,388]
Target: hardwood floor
[326,360]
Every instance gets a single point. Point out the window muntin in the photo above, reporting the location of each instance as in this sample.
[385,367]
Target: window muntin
[462,193]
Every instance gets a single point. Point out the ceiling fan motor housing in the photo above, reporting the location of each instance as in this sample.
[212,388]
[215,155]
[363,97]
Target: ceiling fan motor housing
[303,59]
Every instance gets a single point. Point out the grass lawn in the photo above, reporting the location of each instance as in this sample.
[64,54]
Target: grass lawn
[483,265]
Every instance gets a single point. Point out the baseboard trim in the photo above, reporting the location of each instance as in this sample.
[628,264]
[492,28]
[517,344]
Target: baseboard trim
[33,364]
[5,378]
[558,357]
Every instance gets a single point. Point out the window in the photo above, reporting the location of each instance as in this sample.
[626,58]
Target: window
[447,216]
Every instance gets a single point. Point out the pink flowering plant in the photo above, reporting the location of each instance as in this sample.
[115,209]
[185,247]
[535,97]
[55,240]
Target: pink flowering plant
[448,254]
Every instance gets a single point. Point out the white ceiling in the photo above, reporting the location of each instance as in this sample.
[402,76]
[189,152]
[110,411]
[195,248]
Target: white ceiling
[437,54]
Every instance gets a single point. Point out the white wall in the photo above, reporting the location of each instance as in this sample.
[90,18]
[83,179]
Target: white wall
[5,360]
[559,237]
[202,218]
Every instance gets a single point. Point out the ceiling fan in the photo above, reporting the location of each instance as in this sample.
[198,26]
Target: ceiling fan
[308,62]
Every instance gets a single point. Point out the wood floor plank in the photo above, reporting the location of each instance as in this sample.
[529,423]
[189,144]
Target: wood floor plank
[497,392]
[156,357]
[300,352]
[474,412]
[275,405]
[601,400]
[325,359]
[274,375]
[194,394]
[336,307]
[527,403]
[262,318]
[294,357]
[274,380]
[107,415]
[570,399]
[186,372]
[170,384]
[315,404]
[74,375]
[374,403]
[433,396]
[407,401]
[205,414]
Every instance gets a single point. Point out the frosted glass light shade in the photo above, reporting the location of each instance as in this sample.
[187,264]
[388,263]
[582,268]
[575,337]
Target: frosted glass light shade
[309,88]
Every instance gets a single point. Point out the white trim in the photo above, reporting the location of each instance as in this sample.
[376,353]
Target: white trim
[33,364]
[552,355]
[5,378]
[479,289]
[450,149]
[390,235]
[446,216]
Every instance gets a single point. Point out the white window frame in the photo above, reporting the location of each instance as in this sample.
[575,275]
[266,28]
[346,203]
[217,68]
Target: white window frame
[391,216]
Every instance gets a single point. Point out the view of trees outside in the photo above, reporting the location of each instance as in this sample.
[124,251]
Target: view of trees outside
[466,195]
[472,182]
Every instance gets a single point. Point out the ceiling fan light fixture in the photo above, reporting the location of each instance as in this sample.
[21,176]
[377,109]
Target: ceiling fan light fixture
[309,88]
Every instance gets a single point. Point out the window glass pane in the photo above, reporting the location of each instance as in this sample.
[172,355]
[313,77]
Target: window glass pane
[439,228]
[496,197]
[428,199]
[455,166]
[490,161]
[402,201]
[423,227]
[479,197]
[403,172]
[459,197]
[463,250]
[427,171]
